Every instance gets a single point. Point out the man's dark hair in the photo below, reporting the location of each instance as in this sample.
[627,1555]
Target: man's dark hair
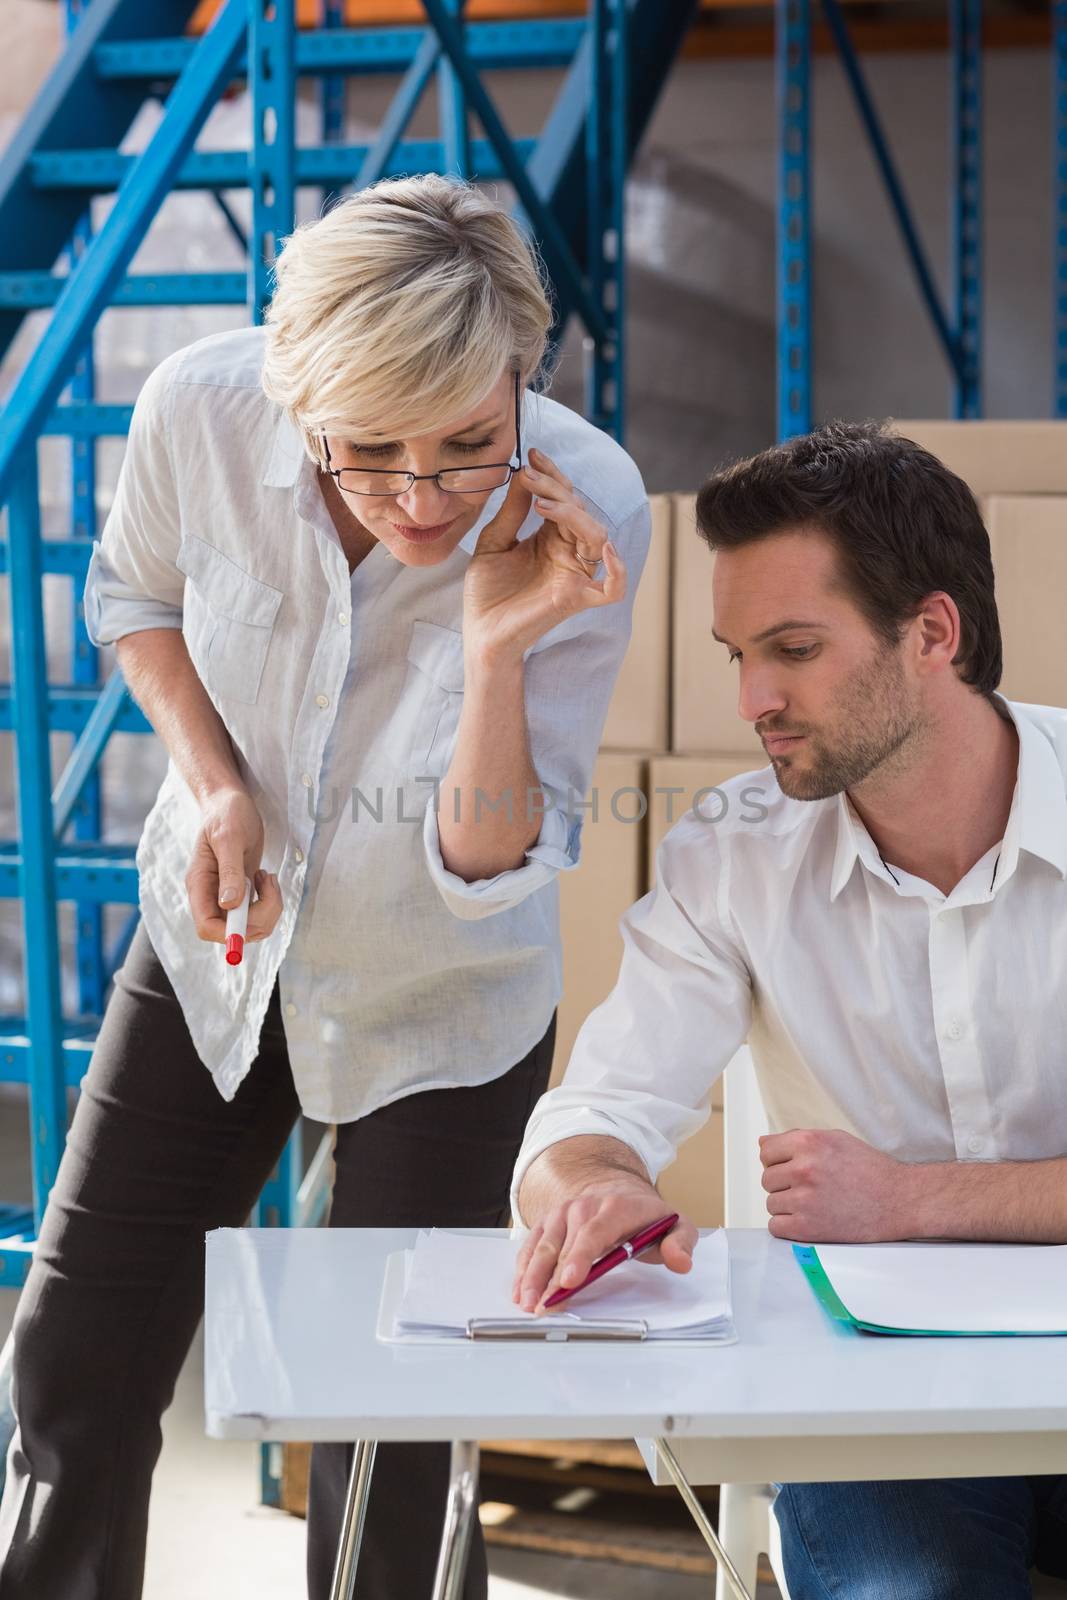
[903,526]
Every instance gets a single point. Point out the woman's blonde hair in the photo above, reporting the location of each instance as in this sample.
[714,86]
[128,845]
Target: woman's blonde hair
[400,309]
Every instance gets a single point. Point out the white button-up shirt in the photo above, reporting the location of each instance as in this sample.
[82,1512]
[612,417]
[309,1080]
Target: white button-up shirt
[342,694]
[932,1026]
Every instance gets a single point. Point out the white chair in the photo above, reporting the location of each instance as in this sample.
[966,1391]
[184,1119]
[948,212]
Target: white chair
[747,1524]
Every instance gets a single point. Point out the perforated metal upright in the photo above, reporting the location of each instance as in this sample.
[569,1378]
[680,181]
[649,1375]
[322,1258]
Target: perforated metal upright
[966,123]
[959,330]
[793,90]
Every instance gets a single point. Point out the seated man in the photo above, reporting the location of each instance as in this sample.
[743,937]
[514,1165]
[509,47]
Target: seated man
[890,935]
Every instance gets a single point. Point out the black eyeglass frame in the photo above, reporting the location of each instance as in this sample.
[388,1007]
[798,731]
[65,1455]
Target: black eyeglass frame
[420,477]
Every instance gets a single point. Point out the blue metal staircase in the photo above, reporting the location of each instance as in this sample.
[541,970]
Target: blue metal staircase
[568,179]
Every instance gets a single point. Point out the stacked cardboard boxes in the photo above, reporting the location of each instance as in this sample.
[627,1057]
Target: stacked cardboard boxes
[673,727]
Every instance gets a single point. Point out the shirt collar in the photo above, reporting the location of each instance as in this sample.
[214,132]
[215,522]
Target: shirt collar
[288,455]
[1037,821]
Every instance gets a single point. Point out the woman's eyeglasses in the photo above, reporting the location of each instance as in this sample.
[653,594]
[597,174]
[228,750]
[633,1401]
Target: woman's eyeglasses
[452,480]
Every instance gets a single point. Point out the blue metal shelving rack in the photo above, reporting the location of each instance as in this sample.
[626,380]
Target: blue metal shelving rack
[958,330]
[568,179]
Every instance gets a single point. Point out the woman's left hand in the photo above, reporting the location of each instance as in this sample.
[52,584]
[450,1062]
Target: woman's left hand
[515,592]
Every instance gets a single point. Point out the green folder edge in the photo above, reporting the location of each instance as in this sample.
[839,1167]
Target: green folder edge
[831,1302]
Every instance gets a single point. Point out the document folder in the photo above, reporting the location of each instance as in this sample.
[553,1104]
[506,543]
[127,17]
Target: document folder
[941,1290]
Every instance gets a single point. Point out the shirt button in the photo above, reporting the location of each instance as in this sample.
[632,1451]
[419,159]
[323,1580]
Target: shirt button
[307,780]
[954,1029]
[298,856]
[974,1144]
[322,700]
[342,617]
[290,1010]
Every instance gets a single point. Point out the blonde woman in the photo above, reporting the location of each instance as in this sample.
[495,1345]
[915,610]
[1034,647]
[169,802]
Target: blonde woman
[356,572]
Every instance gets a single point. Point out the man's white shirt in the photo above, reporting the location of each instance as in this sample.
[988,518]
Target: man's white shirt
[342,695]
[932,1026]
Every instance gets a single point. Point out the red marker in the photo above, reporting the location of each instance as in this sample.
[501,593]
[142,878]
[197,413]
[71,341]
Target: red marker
[642,1240]
[236,927]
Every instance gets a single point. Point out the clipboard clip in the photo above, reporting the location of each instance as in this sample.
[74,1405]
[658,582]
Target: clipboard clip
[554,1330]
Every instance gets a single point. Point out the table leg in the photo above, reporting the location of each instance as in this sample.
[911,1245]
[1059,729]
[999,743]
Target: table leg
[700,1517]
[344,1573]
[460,1513]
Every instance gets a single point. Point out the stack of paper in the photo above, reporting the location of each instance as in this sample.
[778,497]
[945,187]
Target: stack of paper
[459,1285]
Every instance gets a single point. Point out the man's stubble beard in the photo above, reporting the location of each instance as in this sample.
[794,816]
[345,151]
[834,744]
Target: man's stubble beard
[876,720]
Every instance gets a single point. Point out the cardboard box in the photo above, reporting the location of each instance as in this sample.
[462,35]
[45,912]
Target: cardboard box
[1028,534]
[639,715]
[703,682]
[608,879]
[997,457]
[693,1183]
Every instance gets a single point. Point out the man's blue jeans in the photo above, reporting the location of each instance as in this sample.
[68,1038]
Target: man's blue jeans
[922,1539]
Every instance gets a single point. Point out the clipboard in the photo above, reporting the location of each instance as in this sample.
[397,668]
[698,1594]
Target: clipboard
[546,1330]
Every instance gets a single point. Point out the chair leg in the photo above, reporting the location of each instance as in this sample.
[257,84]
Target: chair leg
[743,1512]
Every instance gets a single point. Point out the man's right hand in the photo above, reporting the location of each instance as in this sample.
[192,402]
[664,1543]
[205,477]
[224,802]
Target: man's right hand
[562,1247]
[227,850]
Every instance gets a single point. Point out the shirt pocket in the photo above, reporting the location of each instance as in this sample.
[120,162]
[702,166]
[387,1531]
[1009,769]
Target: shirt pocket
[228,619]
[425,730]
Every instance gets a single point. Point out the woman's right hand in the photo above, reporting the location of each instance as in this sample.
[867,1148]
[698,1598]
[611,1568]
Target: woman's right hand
[228,850]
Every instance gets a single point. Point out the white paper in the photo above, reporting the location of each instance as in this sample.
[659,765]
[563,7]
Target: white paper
[452,1279]
[952,1288]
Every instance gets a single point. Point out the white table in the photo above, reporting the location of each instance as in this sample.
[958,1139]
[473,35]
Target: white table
[291,1353]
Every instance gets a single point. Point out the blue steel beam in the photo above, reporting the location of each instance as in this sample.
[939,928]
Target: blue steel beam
[69,557]
[793,86]
[557,166]
[607,160]
[78,875]
[380,156]
[893,185]
[1059,207]
[71,109]
[491,45]
[104,264]
[333,87]
[100,171]
[84,758]
[452,109]
[553,241]
[88,819]
[84,420]
[36,877]
[70,708]
[16,1051]
[273,89]
[967,204]
[34,290]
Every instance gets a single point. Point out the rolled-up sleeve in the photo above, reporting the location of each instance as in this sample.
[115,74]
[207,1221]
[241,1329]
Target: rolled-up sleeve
[646,1059]
[132,581]
[569,682]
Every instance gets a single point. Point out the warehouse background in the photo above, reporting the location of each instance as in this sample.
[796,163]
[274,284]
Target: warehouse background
[701,257]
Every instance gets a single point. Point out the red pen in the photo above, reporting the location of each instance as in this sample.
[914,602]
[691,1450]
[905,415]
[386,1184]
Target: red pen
[643,1240]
